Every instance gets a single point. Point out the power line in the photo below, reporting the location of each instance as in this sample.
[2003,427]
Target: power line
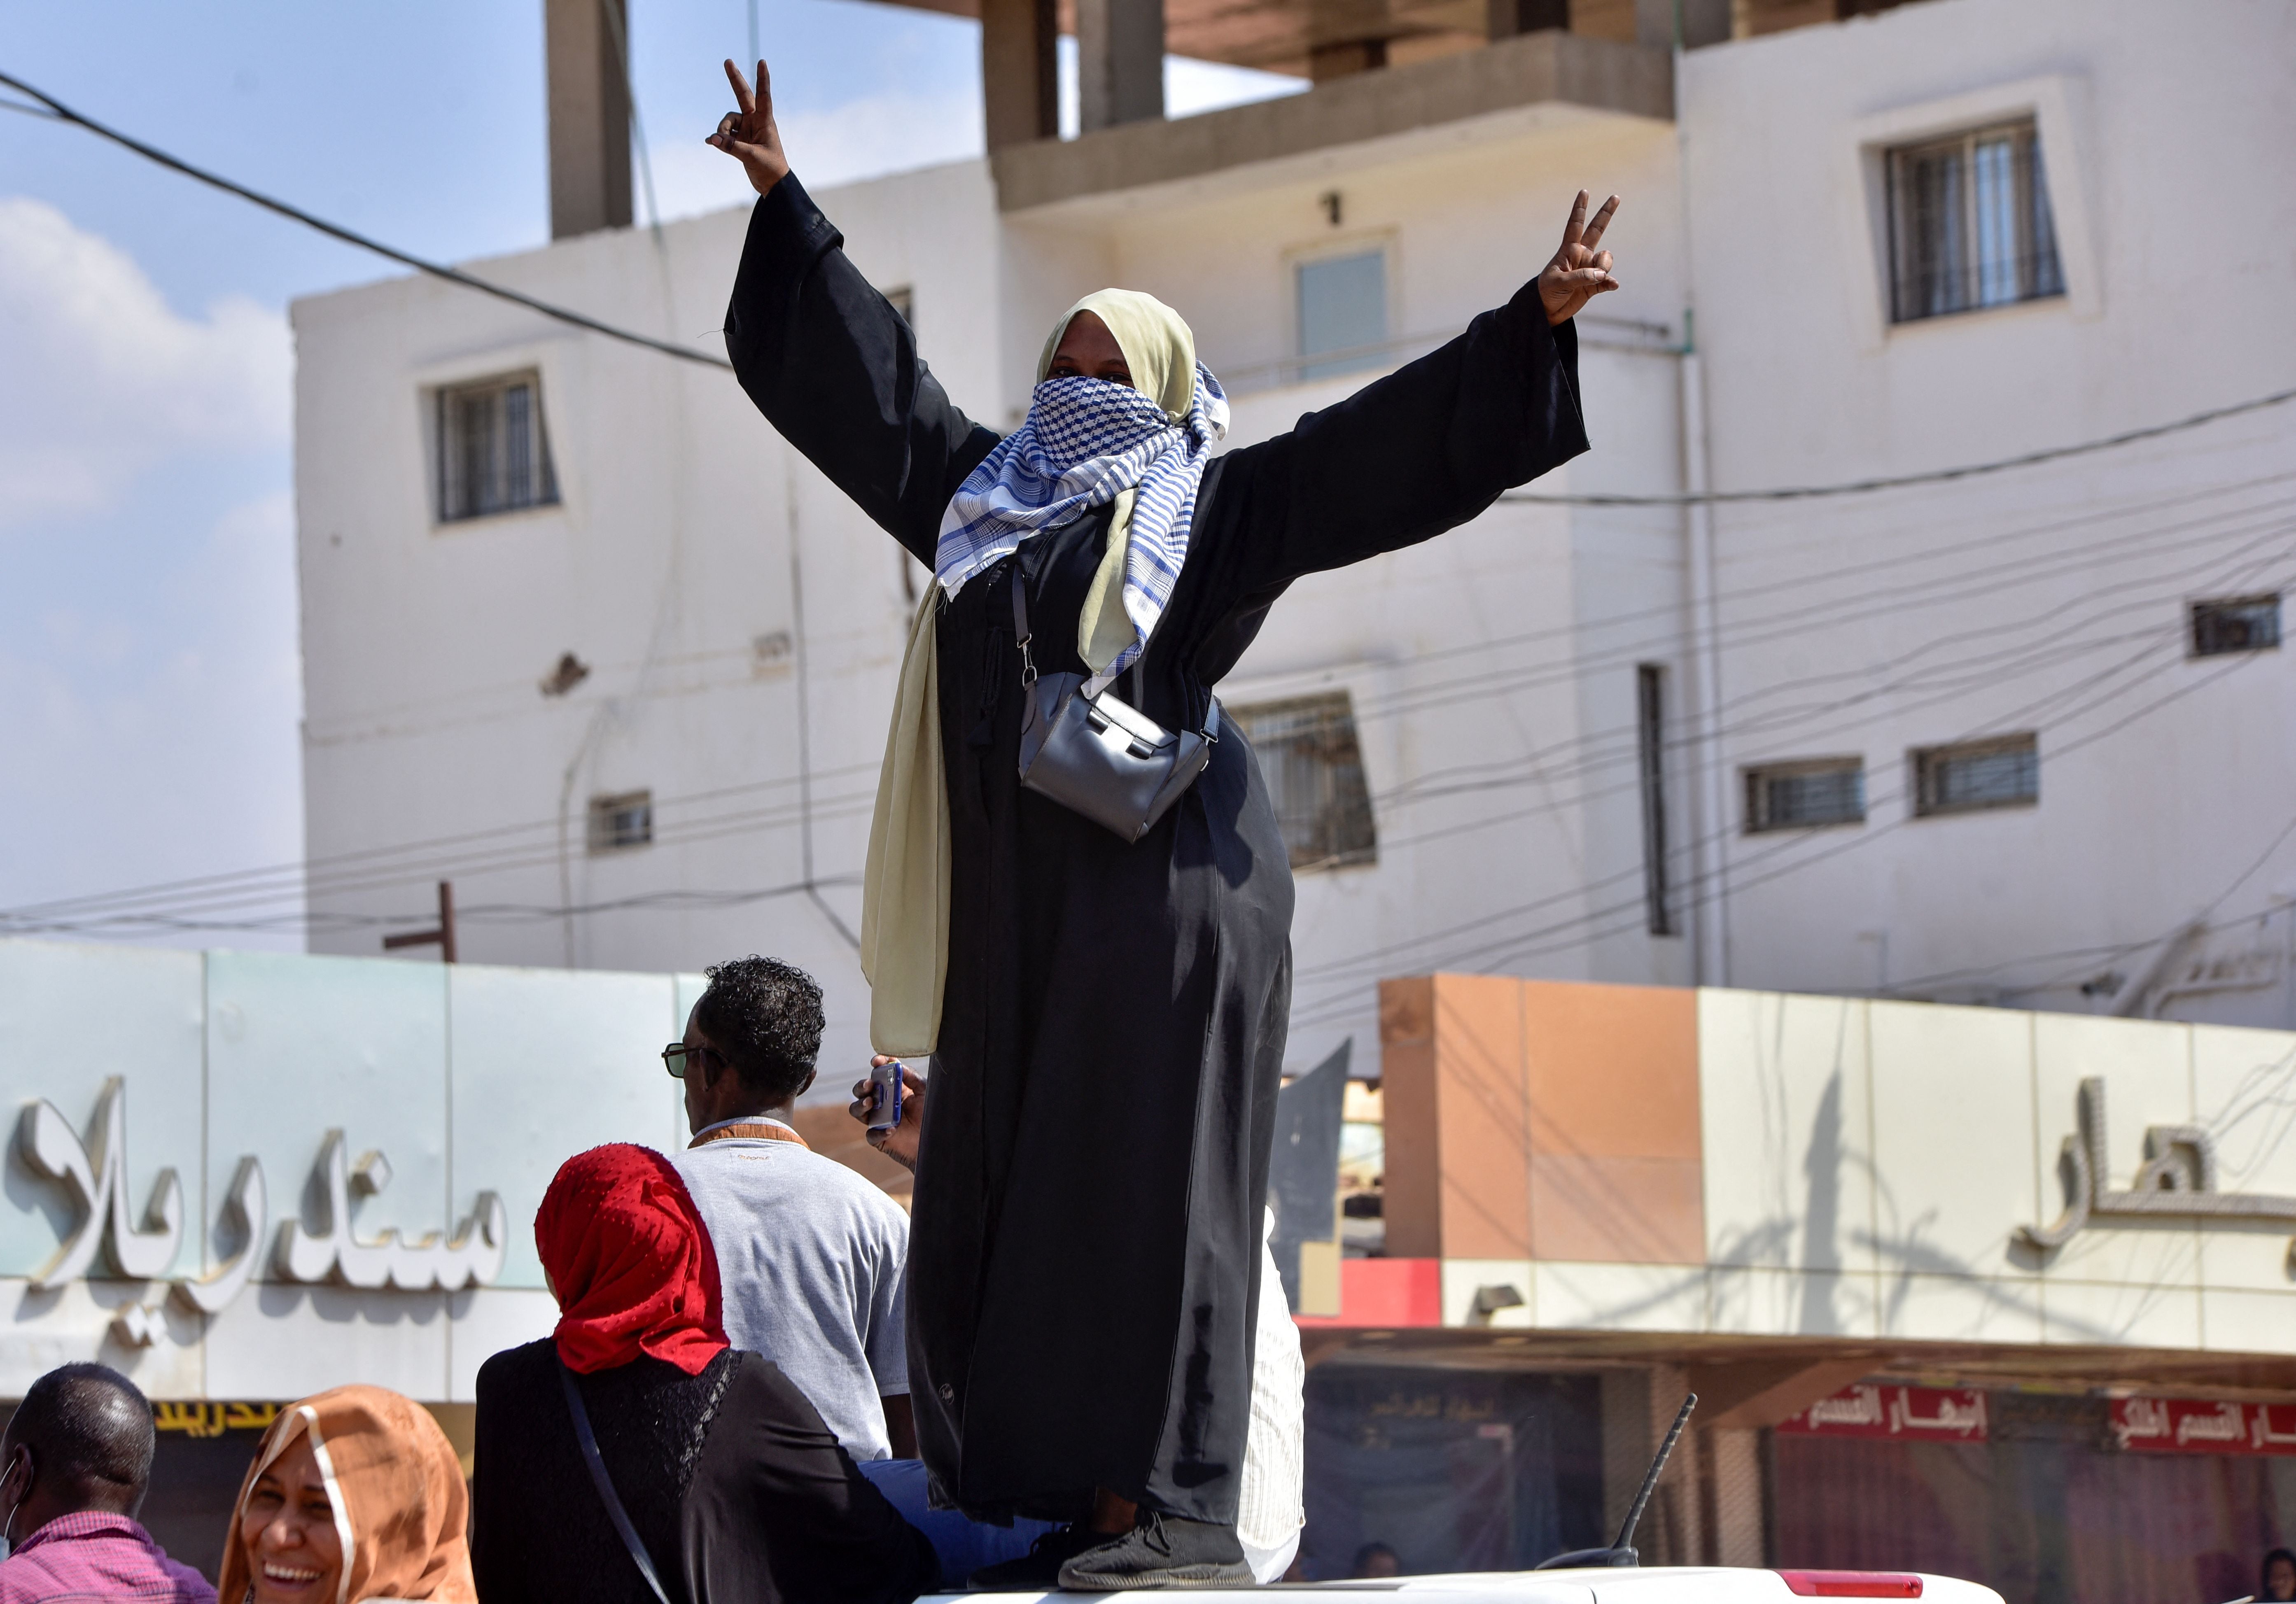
[348,236]
[1592,926]
[1936,476]
[500,850]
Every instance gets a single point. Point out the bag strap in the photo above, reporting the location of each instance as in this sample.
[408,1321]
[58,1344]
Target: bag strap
[1018,583]
[605,1484]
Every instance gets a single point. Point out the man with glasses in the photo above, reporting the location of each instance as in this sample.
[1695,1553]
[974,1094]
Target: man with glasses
[810,1256]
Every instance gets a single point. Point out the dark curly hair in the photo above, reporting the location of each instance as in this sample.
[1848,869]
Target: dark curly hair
[764,1017]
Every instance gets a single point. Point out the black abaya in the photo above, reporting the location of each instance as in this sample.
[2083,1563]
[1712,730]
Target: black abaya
[1085,1254]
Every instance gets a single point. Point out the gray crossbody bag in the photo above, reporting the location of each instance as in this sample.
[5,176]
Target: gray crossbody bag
[1097,755]
[605,1484]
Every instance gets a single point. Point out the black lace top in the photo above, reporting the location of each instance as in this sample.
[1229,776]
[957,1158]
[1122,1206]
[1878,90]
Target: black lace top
[734,1485]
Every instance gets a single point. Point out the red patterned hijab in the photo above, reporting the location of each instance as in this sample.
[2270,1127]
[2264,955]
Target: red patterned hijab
[630,1261]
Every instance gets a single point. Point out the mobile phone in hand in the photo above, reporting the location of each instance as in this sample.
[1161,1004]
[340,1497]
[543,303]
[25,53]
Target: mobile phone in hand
[885,1096]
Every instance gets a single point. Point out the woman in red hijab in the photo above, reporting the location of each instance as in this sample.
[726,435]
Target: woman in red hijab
[708,1476]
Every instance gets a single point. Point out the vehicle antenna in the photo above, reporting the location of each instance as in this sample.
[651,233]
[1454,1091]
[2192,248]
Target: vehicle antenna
[1625,1542]
[1622,1552]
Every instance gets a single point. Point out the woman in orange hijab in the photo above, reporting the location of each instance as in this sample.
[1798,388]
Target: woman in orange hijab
[355,1495]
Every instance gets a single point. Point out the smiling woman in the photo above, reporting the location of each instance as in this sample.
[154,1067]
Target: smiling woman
[355,1495]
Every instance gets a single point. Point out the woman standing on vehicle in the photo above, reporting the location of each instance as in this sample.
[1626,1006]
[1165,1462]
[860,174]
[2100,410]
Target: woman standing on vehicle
[1106,1016]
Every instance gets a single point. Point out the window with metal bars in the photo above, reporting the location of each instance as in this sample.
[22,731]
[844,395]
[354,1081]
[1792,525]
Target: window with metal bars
[1972,775]
[1804,794]
[1970,224]
[622,820]
[1313,768]
[2237,623]
[494,453]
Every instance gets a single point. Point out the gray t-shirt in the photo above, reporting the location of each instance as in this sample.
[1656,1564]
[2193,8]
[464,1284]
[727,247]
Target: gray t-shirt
[810,1263]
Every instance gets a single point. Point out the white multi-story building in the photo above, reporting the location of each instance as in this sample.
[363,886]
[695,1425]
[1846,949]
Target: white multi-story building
[584,636]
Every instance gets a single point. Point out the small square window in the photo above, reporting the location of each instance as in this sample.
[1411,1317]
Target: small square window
[494,455]
[621,821]
[2240,624]
[1342,313]
[1313,768]
[903,300]
[1973,775]
[1970,224]
[1805,794]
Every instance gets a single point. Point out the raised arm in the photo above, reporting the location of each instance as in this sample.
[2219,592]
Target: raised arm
[826,358]
[1431,445]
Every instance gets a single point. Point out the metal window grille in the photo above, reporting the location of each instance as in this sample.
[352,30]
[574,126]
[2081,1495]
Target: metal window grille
[1970,224]
[1650,721]
[1342,313]
[494,455]
[2238,624]
[1977,774]
[1313,768]
[1805,794]
[621,821]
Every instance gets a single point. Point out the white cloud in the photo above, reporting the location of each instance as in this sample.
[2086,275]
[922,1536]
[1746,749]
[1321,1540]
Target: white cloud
[105,380]
[889,132]
[155,736]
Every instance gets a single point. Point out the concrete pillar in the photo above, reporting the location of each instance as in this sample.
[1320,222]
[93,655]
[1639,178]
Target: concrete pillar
[1020,70]
[589,110]
[1120,62]
[1509,18]
[1740,1520]
[1344,60]
[1703,22]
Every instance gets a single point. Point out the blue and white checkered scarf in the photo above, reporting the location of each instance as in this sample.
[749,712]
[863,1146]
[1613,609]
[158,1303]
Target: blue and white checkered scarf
[1085,441]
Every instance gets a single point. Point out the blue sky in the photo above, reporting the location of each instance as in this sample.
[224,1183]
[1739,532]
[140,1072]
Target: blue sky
[150,685]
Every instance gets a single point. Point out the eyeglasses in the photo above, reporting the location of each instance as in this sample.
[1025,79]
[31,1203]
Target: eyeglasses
[675,1057]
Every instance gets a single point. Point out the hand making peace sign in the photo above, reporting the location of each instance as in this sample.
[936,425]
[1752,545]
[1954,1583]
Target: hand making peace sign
[748,134]
[1578,272]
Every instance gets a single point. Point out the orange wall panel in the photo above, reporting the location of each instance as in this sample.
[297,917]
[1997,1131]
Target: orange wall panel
[1542,1120]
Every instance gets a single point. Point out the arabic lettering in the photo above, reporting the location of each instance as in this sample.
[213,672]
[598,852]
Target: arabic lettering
[1892,1411]
[2203,1426]
[472,1257]
[213,1419]
[2224,1424]
[2178,1179]
[1859,1406]
[94,1170]
[2140,1420]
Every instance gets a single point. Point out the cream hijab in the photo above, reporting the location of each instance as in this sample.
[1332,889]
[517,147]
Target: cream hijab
[905,880]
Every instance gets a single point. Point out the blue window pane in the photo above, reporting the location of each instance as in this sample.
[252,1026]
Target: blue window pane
[1996,222]
[1342,313]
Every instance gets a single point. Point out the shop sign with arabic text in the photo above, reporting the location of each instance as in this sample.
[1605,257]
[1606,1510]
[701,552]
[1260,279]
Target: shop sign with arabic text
[1901,1414]
[2203,1425]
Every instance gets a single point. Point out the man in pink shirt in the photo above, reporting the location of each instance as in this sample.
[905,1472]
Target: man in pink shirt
[77,1457]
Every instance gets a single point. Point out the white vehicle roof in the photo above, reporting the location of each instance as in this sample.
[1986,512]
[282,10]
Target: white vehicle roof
[1654,1584]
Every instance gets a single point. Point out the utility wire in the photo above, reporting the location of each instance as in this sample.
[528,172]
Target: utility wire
[1937,476]
[452,275]
[468,855]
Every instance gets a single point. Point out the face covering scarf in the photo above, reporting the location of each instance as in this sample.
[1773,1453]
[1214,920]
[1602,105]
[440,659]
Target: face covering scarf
[1086,443]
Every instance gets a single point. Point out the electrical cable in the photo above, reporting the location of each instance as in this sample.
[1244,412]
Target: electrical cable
[350,236]
[62,112]
[1342,971]
[363,870]
[1936,476]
